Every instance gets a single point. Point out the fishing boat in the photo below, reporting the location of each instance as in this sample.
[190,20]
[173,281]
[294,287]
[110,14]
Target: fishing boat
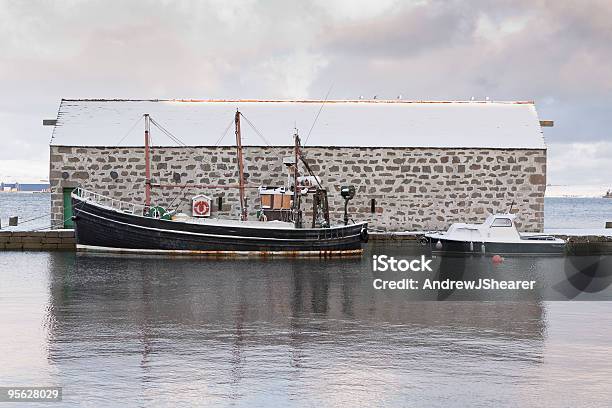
[103,223]
[497,235]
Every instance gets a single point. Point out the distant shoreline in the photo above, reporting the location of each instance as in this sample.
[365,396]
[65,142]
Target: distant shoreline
[576,191]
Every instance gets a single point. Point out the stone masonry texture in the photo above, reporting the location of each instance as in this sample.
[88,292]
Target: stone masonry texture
[414,189]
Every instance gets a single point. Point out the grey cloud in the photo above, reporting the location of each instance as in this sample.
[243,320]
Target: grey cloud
[556,52]
[403,33]
[559,54]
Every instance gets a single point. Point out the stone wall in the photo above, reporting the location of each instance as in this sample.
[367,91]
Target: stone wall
[413,188]
[37,240]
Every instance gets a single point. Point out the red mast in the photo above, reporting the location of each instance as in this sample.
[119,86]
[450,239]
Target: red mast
[147,135]
[296,194]
[243,210]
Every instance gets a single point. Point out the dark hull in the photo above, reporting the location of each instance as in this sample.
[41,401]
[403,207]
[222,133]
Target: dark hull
[101,228]
[495,248]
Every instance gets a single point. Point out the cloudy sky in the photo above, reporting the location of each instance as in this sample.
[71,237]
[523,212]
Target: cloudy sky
[558,53]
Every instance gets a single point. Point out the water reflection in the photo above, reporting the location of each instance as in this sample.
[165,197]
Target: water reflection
[238,325]
[285,331]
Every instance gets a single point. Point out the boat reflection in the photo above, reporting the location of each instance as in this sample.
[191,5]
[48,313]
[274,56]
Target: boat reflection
[231,324]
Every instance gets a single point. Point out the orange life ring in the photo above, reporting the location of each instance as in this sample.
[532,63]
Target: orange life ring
[201,207]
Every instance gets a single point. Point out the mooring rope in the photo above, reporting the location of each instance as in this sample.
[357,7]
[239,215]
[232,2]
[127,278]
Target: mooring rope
[33,219]
[53,225]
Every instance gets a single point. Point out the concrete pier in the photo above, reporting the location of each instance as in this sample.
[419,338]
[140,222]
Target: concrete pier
[585,244]
[57,240]
[64,240]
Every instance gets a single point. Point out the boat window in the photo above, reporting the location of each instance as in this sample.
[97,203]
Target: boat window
[373,206]
[502,222]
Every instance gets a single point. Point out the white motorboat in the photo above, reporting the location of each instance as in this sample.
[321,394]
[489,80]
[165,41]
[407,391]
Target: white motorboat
[497,235]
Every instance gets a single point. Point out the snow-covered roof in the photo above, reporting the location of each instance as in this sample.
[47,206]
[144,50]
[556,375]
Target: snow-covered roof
[366,123]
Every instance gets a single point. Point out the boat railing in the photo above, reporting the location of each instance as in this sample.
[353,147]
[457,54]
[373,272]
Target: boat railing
[539,238]
[123,206]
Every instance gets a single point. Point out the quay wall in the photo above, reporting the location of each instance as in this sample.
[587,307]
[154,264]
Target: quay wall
[64,240]
[398,189]
[37,240]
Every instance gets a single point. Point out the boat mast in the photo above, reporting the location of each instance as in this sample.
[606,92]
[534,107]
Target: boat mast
[243,210]
[296,195]
[147,135]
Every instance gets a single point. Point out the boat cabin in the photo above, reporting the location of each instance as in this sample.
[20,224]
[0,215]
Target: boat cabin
[496,226]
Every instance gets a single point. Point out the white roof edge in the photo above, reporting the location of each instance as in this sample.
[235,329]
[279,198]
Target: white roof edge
[411,101]
[535,110]
[343,123]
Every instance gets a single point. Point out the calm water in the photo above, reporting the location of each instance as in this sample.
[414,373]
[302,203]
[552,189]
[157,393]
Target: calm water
[184,332]
[559,213]
[26,206]
[562,213]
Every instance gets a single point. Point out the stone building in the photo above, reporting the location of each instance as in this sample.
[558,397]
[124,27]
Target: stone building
[415,165]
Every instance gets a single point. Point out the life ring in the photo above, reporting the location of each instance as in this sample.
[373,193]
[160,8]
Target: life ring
[201,207]
[424,240]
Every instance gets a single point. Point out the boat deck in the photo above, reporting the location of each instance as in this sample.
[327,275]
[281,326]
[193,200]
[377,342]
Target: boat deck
[222,222]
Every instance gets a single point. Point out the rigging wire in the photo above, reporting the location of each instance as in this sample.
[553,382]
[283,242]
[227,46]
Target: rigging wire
[129,131]
[318,113]
[255,129]
[166,132]
[180,193]
[303,159]
[182,190]
[224,133]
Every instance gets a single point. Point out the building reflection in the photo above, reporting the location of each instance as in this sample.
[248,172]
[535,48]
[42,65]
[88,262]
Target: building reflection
[217,312]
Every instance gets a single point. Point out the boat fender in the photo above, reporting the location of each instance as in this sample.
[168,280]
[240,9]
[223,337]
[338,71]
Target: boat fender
[439,244]
[482,248]
[471,247]
[364,235]
[263,218]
